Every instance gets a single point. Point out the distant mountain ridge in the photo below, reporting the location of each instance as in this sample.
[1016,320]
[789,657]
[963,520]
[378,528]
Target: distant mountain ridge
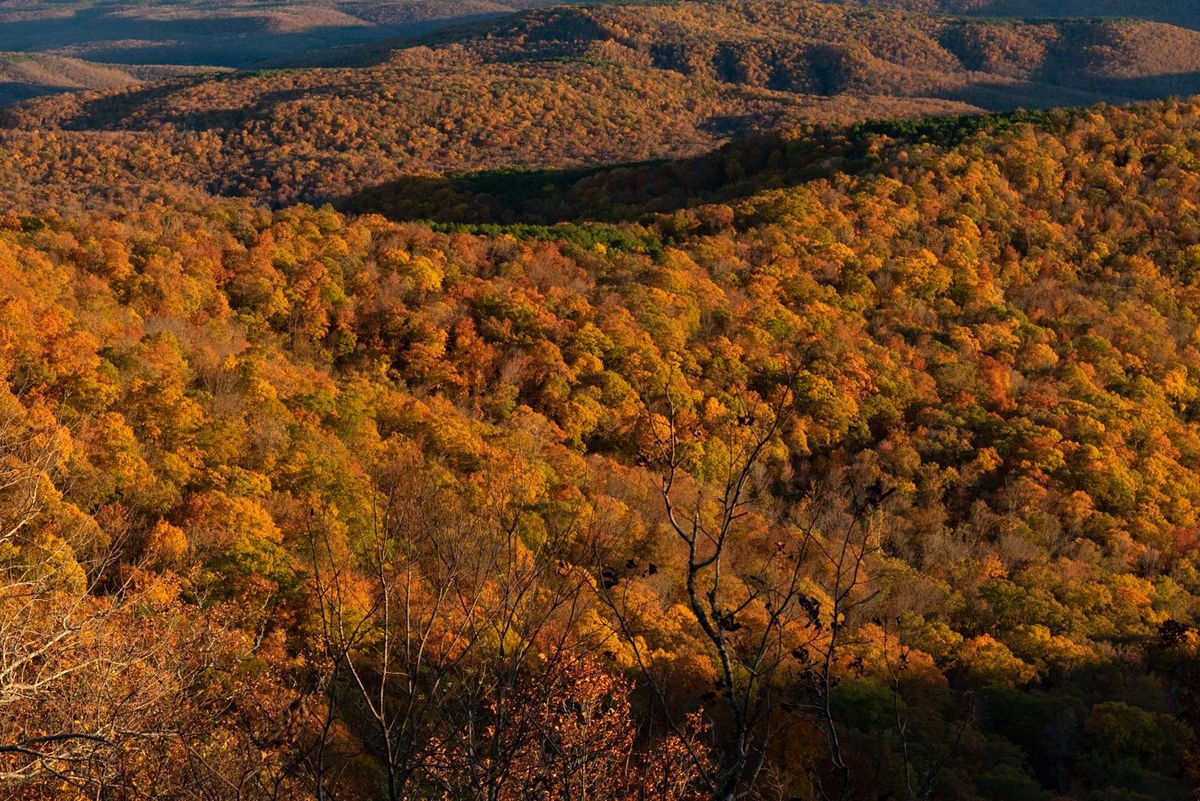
[583,85]
[1170,11]
[825,49]
[199,33]
[1072,53]
[241,34]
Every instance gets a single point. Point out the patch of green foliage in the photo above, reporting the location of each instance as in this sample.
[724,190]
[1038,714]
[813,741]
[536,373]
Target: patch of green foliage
[633,239]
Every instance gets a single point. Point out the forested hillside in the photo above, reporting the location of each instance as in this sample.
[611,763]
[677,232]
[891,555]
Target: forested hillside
[24,75]
[241,34]
[584,86]
[994,54]
[855,464]
[1159,10]
[88,44]
[665,400]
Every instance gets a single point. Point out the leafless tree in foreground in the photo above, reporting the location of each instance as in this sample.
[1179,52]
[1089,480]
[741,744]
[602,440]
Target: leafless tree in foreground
[774,594]
[435,633]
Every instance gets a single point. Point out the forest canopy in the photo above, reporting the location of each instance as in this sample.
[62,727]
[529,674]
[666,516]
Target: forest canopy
[576,86]
[858,464]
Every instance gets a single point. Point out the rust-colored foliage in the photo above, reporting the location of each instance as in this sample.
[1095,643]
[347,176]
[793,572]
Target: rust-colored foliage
[879,483]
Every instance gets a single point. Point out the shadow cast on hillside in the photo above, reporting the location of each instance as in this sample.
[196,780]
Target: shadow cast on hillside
[14,92]
[614,193]
[1002,96]
[114,111]
[99,34]
[373,53]
[630,192]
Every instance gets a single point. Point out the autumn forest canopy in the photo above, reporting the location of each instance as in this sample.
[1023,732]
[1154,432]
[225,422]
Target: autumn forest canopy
[676,401]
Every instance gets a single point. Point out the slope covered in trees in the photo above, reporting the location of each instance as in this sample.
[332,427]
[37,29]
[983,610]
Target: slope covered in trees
[25,75]
[877,479]
[1167,11]
[824,49]
[195,34]
[200,32]
[580,86]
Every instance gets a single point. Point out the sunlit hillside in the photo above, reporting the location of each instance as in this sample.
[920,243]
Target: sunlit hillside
[609,402]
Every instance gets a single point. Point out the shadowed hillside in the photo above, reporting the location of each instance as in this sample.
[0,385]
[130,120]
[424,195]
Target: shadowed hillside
[199,33]
[639,191]
[819,49]
[806,48]
[1170,11]
[586,85]
[25,75]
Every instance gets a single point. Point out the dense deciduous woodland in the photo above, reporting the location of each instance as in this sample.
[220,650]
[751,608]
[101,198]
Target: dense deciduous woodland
[877,484]
[1160,10]
[839,463]
[586,86]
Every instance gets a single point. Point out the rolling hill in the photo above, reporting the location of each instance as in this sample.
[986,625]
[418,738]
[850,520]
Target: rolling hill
[580,86]
[820,49]
[200,34]
[240,34]
[1169,11]
[26,75]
